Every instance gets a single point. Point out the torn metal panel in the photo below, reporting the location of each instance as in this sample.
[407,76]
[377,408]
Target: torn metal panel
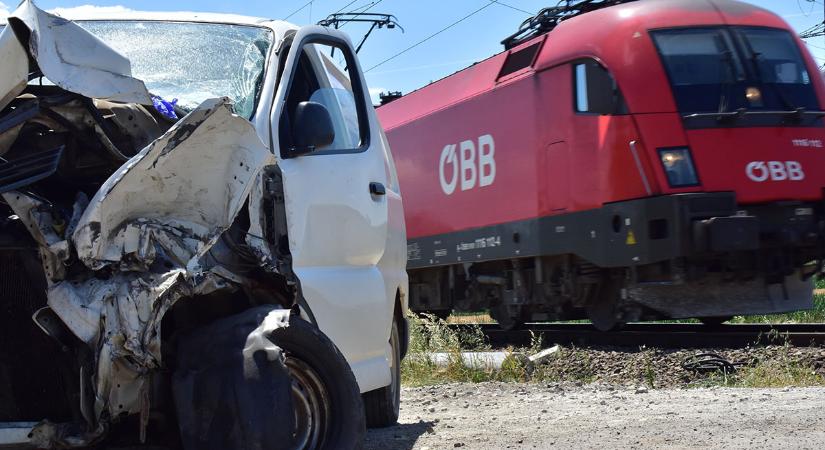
[14,71]
[37,216]
[70,57]
[121,318]
[177,195]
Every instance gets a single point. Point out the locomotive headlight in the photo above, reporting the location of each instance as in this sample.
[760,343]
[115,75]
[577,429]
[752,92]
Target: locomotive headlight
[678,167]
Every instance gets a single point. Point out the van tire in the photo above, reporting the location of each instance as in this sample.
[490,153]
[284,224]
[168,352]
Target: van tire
[225,399]
[383,405]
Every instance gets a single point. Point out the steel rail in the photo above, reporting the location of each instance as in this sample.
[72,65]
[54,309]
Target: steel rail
[656,335]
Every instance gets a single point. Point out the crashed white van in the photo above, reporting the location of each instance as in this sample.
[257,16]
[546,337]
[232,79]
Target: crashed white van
[202,243]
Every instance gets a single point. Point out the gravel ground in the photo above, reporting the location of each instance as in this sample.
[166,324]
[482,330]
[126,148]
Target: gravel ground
[567,415]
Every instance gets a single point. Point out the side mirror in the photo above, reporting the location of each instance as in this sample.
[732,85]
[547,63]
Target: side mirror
[312,128]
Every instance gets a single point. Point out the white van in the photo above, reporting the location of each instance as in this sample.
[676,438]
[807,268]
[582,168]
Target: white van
[202,244]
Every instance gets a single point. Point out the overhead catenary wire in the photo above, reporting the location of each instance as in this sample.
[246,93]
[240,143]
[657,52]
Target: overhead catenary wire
[298,10]
[491,3]
[512,7]
[363,9]
[345,6]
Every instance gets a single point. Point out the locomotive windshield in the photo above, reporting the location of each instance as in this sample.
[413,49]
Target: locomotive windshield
[749,75]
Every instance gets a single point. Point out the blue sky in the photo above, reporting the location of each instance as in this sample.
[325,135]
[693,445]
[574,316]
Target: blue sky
[474,39]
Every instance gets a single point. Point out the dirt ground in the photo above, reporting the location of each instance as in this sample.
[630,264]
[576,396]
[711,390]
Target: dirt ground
[569,415]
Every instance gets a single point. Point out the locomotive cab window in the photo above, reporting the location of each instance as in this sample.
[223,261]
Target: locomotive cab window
[596,91]
[737,76]
[322,91]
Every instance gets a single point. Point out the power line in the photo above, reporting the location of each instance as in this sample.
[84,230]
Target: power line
[299,9]
[512,7]
[806,14]
[491,3]
[363,10]
[345,6]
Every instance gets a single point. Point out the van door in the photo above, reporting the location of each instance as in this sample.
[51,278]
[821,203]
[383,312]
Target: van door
[335,199]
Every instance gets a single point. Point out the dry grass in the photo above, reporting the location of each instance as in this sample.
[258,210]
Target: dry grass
[429,335]
[432,335]
[470,318]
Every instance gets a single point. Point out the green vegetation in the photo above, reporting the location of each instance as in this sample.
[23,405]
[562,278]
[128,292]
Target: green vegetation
[431,335]
[776,366]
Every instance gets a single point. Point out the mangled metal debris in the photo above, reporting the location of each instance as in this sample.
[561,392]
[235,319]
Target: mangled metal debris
[68,55]
[121,259]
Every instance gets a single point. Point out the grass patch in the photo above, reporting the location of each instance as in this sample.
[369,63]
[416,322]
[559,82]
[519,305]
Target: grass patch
[779,365]
[430,334]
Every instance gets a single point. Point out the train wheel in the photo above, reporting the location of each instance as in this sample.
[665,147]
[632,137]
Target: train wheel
[506,321]
[603,311]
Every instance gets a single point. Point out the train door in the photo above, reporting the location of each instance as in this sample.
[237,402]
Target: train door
[607,155]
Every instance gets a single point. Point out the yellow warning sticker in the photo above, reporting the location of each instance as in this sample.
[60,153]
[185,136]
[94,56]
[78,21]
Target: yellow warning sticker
[631,238]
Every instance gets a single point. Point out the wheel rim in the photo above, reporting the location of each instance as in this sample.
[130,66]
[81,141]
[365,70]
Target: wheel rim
[311,403]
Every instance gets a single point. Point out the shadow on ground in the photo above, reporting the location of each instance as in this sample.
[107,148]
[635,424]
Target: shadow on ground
[399,437]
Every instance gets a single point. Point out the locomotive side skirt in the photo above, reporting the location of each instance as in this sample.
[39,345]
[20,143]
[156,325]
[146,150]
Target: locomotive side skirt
[624,234]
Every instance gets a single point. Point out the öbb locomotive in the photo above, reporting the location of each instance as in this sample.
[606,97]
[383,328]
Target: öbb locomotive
[620,161]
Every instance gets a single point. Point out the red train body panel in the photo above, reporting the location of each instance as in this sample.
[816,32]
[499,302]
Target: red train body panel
[513,156]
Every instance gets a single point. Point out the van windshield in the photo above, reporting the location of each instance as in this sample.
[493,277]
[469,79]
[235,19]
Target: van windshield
[192,61]
[728,69]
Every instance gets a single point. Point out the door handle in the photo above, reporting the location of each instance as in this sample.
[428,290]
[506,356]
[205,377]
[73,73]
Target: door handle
[377,188]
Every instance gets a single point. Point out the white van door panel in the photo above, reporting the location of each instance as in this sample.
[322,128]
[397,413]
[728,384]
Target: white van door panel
[337,227]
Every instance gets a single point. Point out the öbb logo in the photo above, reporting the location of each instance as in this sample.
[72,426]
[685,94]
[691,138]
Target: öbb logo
[473,166]
[760,171]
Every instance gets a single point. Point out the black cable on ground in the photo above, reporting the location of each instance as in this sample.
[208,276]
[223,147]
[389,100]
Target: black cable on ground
[703,363]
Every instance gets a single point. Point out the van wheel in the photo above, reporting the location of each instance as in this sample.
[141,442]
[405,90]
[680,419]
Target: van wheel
[295,391]
[325,395]
[382,405]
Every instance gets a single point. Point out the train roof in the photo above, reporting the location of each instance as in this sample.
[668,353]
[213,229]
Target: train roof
[605,34]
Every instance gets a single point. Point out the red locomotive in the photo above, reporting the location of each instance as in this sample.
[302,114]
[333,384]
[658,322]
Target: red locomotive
[620,161]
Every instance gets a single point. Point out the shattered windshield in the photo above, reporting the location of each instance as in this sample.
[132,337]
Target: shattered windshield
[192,62]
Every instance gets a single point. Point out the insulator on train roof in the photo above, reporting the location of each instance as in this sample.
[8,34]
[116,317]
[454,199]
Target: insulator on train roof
[389,96]
[548,18]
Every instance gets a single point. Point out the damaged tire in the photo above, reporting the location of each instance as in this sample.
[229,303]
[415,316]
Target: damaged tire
[382,405]
[291,390]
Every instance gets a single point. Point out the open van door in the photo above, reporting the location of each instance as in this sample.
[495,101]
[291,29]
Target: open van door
[335,187]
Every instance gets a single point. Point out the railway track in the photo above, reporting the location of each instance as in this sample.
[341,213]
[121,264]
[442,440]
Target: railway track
[660,335]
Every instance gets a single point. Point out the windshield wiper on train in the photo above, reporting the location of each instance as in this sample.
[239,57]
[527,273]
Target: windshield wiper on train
[727,82]
[742,112]
[792,109]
